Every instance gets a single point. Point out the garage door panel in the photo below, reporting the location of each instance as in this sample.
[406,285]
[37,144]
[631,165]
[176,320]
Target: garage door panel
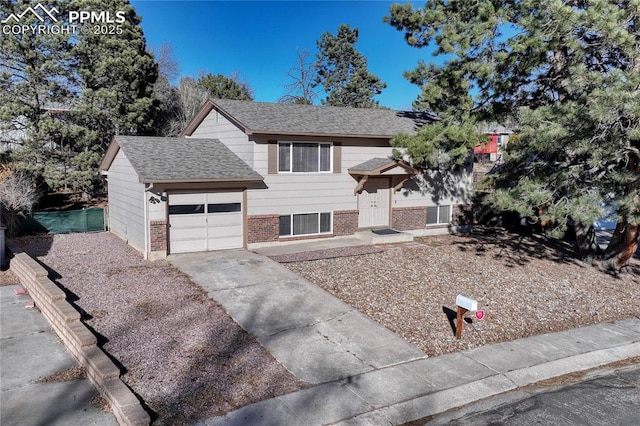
[188,221]
[221,227]
[224,197]
[188,246]
[191,198]
[226,231]
[184,234]
[223,243]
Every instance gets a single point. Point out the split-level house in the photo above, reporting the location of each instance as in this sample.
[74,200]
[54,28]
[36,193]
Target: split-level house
[249,174]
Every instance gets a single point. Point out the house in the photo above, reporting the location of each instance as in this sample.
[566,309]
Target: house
[13,134]
[250,174]
[498,140]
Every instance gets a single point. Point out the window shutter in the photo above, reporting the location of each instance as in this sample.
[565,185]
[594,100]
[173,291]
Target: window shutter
[337,158]
[272,157]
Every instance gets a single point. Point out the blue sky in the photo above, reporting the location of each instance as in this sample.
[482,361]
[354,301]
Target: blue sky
[258,40]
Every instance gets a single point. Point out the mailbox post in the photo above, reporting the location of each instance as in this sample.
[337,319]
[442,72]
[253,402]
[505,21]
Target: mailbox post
[464,305]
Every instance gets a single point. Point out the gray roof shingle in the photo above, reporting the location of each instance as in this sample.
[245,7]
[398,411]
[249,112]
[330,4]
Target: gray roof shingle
[372,165]
[161,159]
[271,118]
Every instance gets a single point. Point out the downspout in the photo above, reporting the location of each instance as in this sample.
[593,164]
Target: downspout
[147,243]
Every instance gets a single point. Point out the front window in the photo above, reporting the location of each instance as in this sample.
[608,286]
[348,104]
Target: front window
[298,157]
[305,224]
[438,215]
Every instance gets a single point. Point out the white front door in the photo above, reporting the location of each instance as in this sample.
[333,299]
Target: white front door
[205,221]
[373,203]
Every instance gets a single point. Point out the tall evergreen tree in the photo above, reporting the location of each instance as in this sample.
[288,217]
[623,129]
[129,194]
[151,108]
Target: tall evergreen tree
[221,87]
[35,73]
[571,72]
[343,73]
[71,92]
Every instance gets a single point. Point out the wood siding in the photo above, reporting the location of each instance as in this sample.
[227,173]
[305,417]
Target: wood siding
[217,126]
[289,193]
[126,202]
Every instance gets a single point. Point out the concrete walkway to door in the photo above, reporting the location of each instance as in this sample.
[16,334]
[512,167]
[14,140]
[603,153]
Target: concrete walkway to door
[313,334]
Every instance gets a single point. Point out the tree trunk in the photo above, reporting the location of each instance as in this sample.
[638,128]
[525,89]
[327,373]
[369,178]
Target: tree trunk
[623,245]
[586,242]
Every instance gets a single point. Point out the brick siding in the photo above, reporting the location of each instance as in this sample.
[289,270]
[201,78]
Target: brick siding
[263,228]
[158,231]
[345,222]
[407,218]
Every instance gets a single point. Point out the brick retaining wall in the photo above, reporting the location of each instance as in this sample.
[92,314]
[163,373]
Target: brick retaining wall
[65,321]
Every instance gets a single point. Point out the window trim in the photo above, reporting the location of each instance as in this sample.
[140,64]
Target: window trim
[319,213]
[318,144]
[438,219]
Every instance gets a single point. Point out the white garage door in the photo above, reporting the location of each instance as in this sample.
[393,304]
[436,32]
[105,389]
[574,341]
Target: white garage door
[205,221]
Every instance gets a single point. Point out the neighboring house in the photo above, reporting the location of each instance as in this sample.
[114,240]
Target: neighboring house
[14,134]
[248,174]
[487,155]
[498,140]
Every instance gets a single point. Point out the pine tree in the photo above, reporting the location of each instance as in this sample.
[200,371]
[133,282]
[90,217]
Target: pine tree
[343,73]
[221,87]
[35,73]
[570,71]
[71,92]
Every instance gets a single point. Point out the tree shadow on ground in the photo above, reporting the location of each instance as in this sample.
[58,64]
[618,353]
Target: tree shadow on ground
[517,249]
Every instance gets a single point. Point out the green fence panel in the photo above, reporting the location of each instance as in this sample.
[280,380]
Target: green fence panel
[85,220]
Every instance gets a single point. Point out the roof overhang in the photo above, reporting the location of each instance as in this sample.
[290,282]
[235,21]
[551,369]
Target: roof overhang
[363,175]
[109,156]
[194,181]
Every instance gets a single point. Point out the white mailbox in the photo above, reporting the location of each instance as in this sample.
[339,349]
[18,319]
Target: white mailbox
[467,303]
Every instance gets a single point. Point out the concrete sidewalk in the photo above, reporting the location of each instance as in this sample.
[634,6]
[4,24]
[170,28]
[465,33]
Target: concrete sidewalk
[416,389]
[364,374]
[30,351]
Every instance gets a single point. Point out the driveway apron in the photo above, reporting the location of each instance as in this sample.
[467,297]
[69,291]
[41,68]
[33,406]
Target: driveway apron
[314,335]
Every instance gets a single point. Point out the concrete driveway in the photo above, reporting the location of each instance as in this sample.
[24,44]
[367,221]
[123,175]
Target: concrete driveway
[313,334]
[32,351]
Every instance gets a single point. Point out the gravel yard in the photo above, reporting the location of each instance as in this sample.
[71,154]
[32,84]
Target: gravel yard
[526,285]
[179,351]
[188,360]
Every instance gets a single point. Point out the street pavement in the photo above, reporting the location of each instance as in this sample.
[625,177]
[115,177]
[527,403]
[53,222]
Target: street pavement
[612,397]
[30,350]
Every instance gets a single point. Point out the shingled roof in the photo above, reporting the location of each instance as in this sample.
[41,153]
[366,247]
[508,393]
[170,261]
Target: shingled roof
[163,160]
[312,120]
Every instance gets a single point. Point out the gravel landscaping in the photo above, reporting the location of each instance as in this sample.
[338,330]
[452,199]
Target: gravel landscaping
[178,350]
[526,285]
[188,360]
